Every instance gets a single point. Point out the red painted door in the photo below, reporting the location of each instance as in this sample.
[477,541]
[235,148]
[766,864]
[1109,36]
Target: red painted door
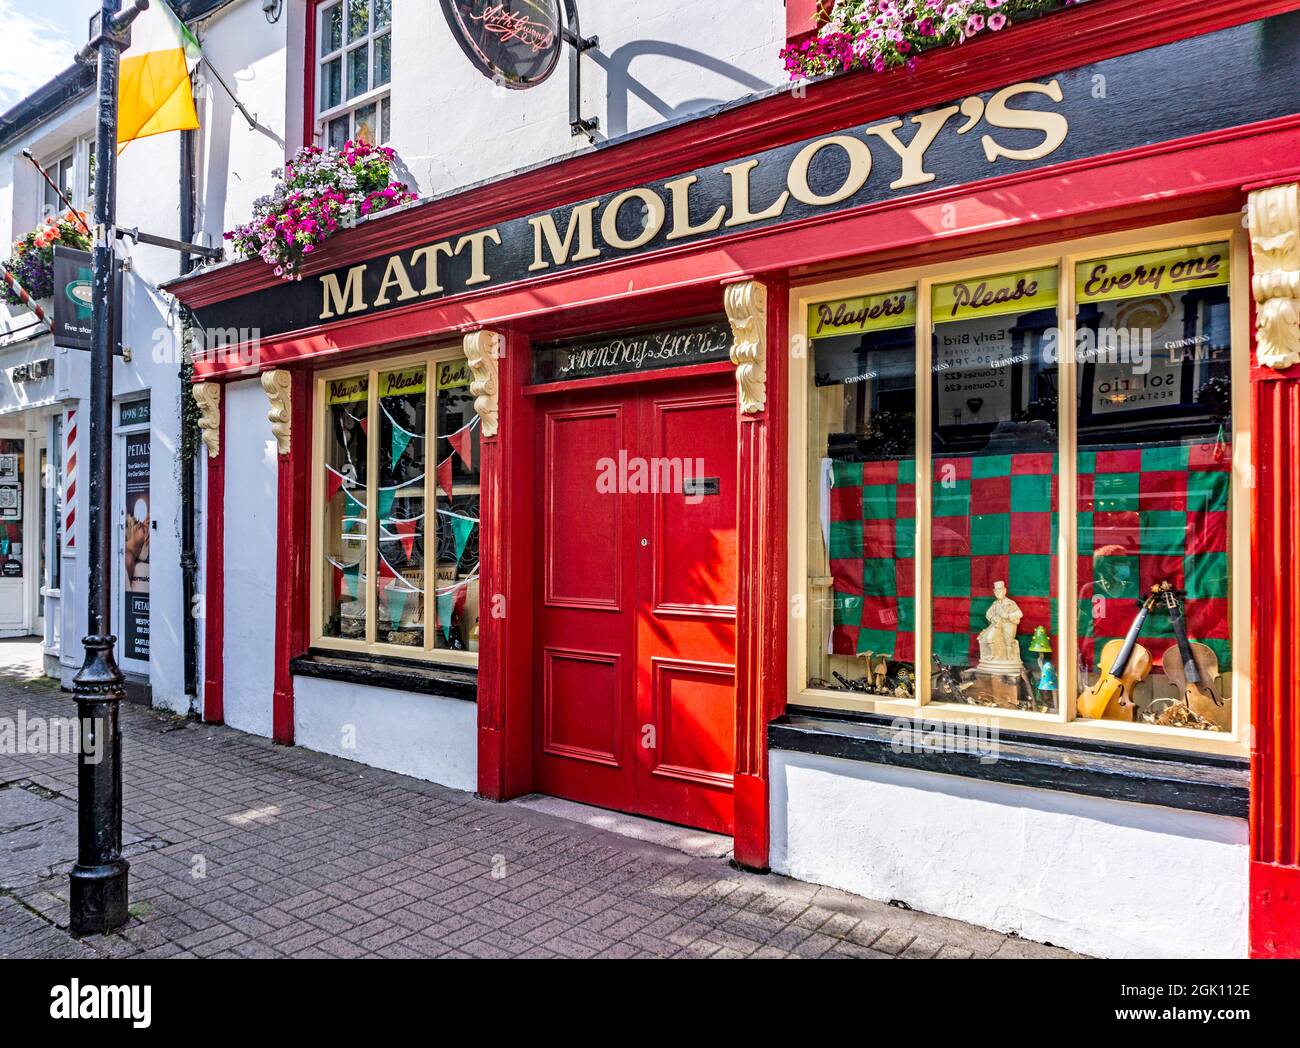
[635,618]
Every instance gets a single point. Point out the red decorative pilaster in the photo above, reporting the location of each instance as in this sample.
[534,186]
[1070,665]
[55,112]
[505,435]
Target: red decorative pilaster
[291,601]
[761,585]
[1275,764]
[1274,212]
[214,569]
[505,565]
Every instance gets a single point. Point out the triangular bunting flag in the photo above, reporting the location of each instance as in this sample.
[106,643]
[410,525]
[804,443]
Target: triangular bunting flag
[446,602]
[351,576]
[365,424]
[353,504]
[333,481]
[386,570]
[461,529]
[406,529]
[396,597]
[386,496]
[401,438]
[460,441]
[444,476]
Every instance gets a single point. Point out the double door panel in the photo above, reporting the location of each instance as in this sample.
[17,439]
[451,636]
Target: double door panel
[635,673]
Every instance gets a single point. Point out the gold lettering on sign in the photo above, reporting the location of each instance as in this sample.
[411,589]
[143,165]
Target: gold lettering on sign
[477,274]
[859,154]
[429,256]
[847,156]
[581,225]
[339,301]
[1054,126]
[928,126]
[394,276]
[654,219]
[680,188]
[740,213]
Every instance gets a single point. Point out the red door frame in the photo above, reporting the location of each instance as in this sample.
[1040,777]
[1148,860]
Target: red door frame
[1201,176]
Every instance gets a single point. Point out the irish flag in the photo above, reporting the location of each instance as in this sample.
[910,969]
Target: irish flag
[153,93]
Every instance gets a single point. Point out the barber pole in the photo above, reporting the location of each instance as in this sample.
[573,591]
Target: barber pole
[70,480]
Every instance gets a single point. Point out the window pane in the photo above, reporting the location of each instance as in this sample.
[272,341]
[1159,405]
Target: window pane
[343,601]
[338,131]
[456,596]
[384,129]
[383,13]
[402,464]
[383,60]
[993,490]
[358,70]
[331,84]
[365,124]
[331,37]
[862,497]
[1155,459]
[358,19]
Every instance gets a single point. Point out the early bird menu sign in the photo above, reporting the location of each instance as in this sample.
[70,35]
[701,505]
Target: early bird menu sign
[1121,103]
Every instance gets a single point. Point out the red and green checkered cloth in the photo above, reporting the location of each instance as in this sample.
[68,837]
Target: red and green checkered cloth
[1145,515]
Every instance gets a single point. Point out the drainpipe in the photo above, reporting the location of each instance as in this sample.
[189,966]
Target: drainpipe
[189,562]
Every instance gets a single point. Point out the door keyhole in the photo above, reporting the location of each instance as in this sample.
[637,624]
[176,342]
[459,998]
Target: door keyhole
[645,542]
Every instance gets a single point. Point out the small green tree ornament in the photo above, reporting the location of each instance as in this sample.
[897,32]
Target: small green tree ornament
[1040,642]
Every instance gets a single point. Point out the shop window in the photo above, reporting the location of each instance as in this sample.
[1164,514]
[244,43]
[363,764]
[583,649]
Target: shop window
[353,71]
[944,523]
[397,510]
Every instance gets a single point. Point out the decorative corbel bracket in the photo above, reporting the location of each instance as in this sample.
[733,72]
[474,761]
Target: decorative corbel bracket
[746,305]
[483,351]
[1274,214]
[208,397]
[277,384]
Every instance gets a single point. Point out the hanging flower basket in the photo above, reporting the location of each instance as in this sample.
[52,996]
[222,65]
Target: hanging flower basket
[882,34]
[32,262]
[320,192]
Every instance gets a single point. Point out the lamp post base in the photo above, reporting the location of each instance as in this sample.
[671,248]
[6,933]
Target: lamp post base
[98,897]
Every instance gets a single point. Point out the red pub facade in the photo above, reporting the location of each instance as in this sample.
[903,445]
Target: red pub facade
[760,449]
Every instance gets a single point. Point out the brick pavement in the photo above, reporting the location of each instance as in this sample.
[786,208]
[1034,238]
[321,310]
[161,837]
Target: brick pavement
[240,848]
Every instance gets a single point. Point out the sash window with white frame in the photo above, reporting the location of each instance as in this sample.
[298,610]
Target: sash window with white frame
[983,436]
[353,71]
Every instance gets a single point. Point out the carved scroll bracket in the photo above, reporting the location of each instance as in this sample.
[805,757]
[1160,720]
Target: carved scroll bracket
[208,397]
[1275,250]
[483,351]
[277,385]
[746,305]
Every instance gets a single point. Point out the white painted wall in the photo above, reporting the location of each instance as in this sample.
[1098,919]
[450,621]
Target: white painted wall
[250,559]
[1105,878]
[426,736]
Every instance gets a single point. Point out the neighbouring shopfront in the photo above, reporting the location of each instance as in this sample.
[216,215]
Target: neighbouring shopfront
[748,483]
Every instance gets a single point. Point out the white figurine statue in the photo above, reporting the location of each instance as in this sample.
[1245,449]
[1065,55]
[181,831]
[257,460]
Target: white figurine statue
[999,651]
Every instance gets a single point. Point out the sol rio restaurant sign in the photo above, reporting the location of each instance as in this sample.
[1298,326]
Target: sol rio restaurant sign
[514,42]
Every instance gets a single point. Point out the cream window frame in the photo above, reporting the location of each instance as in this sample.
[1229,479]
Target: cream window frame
[1065,255]
[373,368]
[378,94]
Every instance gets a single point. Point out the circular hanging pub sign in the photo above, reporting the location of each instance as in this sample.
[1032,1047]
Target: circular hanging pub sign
[514,42]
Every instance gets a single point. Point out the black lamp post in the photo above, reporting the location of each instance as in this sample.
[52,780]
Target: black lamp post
[98,885]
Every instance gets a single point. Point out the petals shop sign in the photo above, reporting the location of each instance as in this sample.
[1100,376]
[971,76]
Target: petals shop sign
[1081,113]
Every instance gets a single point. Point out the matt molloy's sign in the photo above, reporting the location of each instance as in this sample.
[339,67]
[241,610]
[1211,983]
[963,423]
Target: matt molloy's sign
[1121,103]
